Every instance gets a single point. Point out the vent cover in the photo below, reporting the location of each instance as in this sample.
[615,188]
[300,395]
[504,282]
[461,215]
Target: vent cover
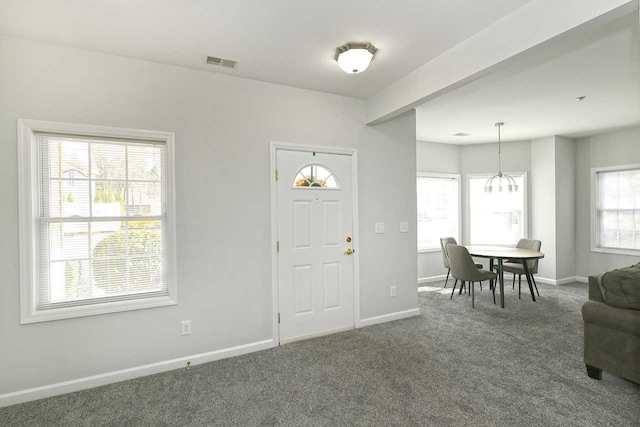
[460,134]
[222,62]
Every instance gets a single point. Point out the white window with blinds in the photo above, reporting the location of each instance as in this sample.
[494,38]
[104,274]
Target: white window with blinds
[97,227]
[438,209]
[615,196]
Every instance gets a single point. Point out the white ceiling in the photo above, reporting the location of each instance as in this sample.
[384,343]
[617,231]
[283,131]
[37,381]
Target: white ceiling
[291,42]
[535,96]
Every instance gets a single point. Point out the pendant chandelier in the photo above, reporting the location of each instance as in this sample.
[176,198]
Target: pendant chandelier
[511,183]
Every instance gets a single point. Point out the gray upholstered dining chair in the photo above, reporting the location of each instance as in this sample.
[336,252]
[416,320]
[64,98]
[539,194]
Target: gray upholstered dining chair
[444,241]
[464,269]
[516,267]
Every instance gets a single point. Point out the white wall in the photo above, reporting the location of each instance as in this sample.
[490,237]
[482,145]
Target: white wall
[543,202]
[223,127]
[608,149]
[565,165]
[437,158]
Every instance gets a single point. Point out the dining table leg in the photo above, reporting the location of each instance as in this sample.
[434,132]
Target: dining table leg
[528,274]
[501,278]
[491,270]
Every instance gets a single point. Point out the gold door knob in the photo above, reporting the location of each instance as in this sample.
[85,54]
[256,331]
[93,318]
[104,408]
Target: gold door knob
[349,251]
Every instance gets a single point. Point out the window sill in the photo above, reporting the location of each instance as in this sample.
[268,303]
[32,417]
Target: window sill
[36,316]
[629,252]
[429,250]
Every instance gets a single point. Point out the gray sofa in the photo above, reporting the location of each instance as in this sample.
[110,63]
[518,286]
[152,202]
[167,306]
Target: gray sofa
[612,324]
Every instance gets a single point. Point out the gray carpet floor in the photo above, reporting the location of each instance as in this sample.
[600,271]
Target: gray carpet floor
[450,366]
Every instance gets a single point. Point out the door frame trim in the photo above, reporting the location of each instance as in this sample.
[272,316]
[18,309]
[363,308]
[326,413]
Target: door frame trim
[273,147]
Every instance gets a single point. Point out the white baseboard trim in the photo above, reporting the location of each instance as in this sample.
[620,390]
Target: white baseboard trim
[582,279]
[431,279]
[389,317]
[35,393]
[563,281]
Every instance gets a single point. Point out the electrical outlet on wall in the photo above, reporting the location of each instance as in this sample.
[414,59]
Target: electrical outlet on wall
[379,227]
[186,327]
[404,227]
[392,291]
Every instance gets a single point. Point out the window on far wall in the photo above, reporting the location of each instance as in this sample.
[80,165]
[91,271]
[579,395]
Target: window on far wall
[96,220]
[438,209]
[616,215]
[497,218]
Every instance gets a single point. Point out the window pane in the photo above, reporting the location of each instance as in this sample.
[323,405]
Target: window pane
[108,198]
[93,259]
[108,161]
[67,158]
[145,162]
[610,239]
[108,239]
[144,199]
[496,218]
[145,238]
[145,274]
[68,198]
[626,239]
[315,176]
[68,240]
[619,218]
[110,275]
[69,280]
[437,210]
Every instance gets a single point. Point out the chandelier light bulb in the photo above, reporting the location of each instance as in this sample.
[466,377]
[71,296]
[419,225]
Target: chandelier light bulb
[511,182]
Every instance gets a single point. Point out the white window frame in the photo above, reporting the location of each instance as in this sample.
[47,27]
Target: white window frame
[525,184]
[595,243]
[457,178]
[28,201]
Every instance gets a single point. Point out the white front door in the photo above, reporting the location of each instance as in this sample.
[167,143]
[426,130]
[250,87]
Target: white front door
[315,237]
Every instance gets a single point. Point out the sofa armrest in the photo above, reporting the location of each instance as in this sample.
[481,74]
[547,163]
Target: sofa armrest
[595,294]
[624,320]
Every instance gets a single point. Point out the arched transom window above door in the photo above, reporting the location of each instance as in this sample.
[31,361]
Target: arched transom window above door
[315,176]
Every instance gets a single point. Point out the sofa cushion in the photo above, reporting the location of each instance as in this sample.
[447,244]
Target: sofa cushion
[621,288]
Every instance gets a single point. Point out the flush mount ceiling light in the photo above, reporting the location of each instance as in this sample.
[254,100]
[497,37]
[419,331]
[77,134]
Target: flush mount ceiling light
[354,58]
[511,183]
[461,134]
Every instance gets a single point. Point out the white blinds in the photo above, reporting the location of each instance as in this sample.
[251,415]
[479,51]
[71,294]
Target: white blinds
[619,209]
[101,221]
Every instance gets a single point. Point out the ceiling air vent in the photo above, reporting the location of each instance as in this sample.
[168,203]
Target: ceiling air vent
[223,62]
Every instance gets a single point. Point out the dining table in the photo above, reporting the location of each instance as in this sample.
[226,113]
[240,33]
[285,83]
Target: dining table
[511,254]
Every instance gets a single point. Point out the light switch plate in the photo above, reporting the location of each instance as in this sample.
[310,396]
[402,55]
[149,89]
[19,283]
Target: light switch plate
[379,227]
[404,227]
[185,327]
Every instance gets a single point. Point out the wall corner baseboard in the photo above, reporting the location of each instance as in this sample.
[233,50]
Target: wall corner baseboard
[84,383]
[431,279]
[545,280]
[582,279]
[566,280]
[389,317]
[562,281]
